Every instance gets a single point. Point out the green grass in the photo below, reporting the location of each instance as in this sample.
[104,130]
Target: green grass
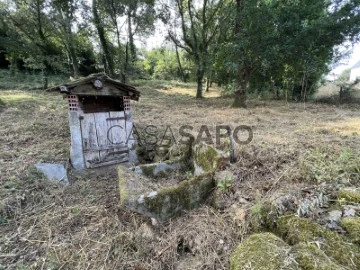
[27,81]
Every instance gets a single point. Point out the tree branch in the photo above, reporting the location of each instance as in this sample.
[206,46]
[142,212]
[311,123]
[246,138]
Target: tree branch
[195,44]
[183,26]
[178,43]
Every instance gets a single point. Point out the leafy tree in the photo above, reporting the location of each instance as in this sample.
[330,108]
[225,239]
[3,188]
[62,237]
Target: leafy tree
[98,22]
[86,55]
[284,44]
[32,35]
[199,27]
[138,17]
[63,14]
[4,63]
[162,64]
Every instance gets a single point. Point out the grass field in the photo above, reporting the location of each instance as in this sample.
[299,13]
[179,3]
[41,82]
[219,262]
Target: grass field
[47,226]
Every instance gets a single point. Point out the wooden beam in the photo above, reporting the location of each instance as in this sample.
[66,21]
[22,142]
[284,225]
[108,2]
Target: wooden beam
[112,162]
[108,147]
[89,90]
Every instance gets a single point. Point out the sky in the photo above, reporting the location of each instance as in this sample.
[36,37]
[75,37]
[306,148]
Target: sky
[347,62]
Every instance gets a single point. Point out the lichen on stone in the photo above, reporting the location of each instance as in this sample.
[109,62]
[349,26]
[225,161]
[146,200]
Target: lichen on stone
[352,227]
[349,196]
[263,251]
[297,230]
[310,257]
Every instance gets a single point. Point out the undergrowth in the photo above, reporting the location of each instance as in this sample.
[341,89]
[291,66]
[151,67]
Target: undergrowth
[325,165]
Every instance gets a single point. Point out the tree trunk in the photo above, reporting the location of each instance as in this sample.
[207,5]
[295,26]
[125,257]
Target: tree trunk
[179,63]
[120,55]
[121,64]
[199,81]
[73,58]
[240,91]
[109,67]
[12,64]
[208,82]
[45,76]
[241,79]
[131,40]
[126,63]
[69,41]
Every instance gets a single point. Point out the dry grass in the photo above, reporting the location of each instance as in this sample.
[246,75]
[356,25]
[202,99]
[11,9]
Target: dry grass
[46,226]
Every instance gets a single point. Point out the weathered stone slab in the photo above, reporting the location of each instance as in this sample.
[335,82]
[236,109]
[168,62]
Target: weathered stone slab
[76,149]
[55,172]
[206,159]
[165,202]
[161,203]
[160,169]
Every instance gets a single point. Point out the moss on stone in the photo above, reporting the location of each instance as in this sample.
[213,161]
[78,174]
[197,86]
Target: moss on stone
[263,216]
[352,226]
[184,196]
[296,230]
[310,257]
[263,251]
[349,196]
[148,170]
[206,157]
[122,186]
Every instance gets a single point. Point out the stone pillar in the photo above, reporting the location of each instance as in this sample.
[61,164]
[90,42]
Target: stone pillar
[76,148]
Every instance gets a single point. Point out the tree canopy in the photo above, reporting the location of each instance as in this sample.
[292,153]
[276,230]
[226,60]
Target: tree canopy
[283,47]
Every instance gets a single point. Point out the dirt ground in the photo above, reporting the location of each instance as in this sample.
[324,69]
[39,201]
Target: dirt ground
[47,226]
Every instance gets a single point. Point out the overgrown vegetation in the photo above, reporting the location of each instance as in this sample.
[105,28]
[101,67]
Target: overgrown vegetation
[326,165]
[247,46]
